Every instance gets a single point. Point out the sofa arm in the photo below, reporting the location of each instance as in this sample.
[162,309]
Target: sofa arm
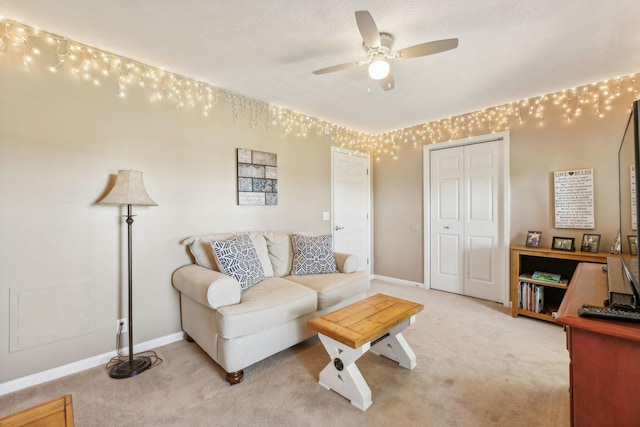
[206,286]
[346,263]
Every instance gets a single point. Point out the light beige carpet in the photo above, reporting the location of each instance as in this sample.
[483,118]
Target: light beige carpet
[477,366]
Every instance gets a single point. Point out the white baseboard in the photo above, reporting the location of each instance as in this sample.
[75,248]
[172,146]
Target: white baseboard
[399,281]
[81,365]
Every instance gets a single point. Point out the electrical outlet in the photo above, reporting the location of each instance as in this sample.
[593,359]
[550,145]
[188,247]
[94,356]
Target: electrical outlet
[122,325]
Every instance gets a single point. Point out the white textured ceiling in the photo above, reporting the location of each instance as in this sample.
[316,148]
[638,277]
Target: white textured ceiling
[266,49]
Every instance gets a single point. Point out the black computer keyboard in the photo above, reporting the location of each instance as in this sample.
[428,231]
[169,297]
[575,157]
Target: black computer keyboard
[609,313]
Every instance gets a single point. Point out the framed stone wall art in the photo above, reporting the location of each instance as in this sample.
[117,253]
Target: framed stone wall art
[257,178]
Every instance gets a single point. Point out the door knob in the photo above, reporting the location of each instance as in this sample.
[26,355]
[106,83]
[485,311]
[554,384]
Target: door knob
[446,227]
[339,228]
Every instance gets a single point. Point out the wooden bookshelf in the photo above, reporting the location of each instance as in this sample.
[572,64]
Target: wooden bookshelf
[525,260]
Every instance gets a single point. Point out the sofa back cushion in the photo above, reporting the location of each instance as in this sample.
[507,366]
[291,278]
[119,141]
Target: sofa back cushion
[200,248]
[281,251]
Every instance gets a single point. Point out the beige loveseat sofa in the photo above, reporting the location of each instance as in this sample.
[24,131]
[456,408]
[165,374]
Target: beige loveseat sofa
[239,325]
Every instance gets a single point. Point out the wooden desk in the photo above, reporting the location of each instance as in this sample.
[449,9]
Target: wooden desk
[605,356]
[374,323]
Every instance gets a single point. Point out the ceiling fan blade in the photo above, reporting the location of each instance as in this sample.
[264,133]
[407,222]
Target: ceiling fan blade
[368,28]
[428,48]
[339,67]
[387,83]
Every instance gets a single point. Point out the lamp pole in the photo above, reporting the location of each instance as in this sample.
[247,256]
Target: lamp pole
[132,366]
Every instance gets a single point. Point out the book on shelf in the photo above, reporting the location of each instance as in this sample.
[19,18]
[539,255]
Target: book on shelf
[539,299]
[529,276]
[546,277]
[531,297]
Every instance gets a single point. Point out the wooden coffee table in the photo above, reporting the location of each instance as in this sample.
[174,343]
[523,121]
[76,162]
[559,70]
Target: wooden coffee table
[374,323]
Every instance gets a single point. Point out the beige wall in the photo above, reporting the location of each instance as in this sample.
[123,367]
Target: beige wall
[535,153]
[61,139]
[397,216]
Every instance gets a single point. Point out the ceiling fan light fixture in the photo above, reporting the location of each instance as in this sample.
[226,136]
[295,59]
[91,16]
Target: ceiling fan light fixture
[379,69]
[378,46]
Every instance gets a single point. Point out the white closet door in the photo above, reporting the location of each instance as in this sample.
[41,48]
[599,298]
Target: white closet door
[482,223]
[465,224]
[446,231]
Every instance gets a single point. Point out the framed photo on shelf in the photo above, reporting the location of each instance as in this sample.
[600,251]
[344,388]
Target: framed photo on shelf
[590,242]
[633,244]
[533,239]
[563,243]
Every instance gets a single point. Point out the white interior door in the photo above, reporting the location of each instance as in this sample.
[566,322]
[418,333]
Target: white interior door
[467,205]
[351,189]
[482,222]
[447,246]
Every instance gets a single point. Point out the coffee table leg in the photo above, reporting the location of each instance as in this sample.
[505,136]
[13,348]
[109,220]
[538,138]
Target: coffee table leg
[342,375]
[395,347]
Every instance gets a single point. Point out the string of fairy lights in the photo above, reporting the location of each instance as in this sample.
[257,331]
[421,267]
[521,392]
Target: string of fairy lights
[95,66]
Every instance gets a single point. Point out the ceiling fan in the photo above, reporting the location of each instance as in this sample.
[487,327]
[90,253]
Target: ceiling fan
[378,46]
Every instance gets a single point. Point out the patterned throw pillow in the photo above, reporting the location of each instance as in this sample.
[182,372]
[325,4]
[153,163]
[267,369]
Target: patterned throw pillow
[312,255]
[237,257]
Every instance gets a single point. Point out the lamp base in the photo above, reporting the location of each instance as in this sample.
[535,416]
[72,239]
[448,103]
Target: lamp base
[126,369]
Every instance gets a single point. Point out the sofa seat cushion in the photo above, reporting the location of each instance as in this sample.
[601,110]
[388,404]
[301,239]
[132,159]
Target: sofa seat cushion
[333,288]
[271,302]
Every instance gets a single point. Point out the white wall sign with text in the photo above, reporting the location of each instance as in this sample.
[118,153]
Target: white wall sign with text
[574,199]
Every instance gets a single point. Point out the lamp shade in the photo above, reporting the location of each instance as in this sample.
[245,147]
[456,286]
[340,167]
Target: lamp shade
[128,190]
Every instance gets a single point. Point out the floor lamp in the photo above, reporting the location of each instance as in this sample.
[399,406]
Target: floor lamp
[129,190]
